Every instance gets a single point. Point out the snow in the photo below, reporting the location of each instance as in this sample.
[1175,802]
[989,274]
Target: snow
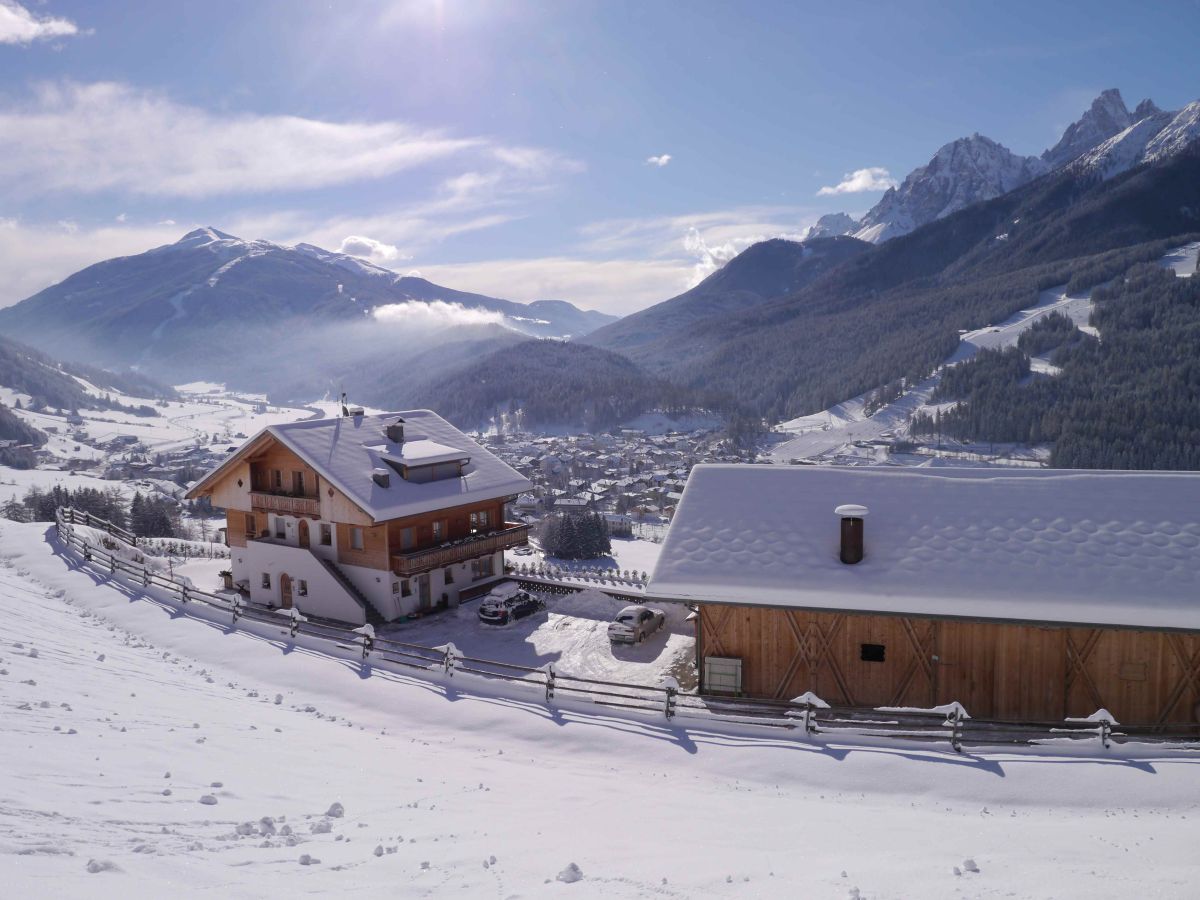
[1038,545]
[833,431]
[452,791]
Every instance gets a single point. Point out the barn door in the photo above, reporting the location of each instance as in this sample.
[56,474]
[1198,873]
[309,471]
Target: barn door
[304,532]
[285,591]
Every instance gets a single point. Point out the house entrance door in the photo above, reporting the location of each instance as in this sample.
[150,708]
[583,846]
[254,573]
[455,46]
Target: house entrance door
[285,591]
[423,591]
[304,532]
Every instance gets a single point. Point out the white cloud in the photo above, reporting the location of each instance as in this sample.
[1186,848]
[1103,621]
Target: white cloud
[19,26]
[616,286]
[123,218]
[71,137]
[659,161]
[435,314]
[369,248]
[875,178]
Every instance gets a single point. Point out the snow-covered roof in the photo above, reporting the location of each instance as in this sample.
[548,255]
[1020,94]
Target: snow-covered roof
[347,450]
[1045,545]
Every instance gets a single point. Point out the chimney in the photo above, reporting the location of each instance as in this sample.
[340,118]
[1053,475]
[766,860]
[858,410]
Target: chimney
[381,477]
[852,517]
[395,431]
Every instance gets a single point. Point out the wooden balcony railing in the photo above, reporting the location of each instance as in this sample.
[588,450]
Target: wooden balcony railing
[511,535]
[278,503]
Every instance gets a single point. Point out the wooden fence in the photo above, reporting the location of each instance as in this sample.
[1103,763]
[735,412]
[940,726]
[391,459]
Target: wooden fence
[807,715]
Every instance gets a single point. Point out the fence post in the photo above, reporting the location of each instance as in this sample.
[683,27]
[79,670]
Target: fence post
[809,704]
[671,686]
[183,593]
[368,638]
[549,670]
[237,608]
[956,734]
[145,576]
[450,655]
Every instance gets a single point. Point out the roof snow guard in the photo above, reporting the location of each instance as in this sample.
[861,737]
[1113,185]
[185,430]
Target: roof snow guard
[1042,545]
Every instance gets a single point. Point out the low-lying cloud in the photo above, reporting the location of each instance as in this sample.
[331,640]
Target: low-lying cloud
[658,161]
[875,178]
[19,26]
[369,248]
[435,314]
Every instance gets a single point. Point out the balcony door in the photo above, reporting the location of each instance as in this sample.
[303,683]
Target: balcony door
[303,532]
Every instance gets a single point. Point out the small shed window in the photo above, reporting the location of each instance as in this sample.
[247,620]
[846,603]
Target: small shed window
[326,535]
[266,580]
[356,538]
[872,653]
[303,588]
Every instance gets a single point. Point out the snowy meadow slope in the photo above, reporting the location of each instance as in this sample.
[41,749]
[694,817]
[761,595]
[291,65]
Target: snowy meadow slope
[121,718]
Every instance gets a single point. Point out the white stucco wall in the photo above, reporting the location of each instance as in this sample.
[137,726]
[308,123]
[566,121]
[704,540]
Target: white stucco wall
[326,596]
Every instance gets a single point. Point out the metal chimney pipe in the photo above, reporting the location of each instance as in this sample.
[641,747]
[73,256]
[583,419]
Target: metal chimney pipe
[852,516]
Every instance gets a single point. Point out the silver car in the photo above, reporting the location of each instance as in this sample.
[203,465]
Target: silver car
[634,624]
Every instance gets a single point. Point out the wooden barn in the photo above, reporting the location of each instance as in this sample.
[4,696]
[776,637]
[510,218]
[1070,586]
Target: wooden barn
[1026,595]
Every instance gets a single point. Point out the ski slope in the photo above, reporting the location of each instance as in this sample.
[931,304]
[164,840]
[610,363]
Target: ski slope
[148,754]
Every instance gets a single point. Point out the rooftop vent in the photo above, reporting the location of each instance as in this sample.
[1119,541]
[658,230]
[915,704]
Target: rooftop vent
[395,431]
[852,516]
[381,476]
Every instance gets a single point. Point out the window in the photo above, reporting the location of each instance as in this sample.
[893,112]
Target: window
[280,527]
[481,568]
[277,479]
[439,529]
[405,589]
[250,525]
[356,538]
[326,535]
[298,484]
[302,588]
[872,653]
[408,538]
[479,520]
[266,580]
[395,587]
[449,574]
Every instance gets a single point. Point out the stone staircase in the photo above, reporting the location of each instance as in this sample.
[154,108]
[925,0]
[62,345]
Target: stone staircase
[373,616]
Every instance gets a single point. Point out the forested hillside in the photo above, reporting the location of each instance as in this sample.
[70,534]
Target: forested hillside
[552,383]
[1127,401]
[49,383]
[896,310]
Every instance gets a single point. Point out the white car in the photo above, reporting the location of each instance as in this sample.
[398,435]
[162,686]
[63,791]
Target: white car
[634,624]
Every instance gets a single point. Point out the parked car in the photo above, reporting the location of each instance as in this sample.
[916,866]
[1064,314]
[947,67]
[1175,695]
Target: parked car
[523,551]
[634,624]
[507,604]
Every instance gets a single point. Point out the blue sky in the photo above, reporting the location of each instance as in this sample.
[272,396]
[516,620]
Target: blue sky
[506,147]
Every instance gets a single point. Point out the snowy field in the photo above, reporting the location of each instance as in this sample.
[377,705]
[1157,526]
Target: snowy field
[148,755]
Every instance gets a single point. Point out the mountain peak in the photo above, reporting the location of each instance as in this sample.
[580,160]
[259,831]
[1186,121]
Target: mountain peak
[205,235]
[1146,108]
[1107,116]
[965,171]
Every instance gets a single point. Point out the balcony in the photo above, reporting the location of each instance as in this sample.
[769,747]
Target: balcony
[460,551]
[282,503]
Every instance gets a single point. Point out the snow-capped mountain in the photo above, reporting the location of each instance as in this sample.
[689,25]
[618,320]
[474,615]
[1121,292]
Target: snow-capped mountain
[961,173]
[1107,116]
[173,304]
[1156,137]
[973,169]
[832,225]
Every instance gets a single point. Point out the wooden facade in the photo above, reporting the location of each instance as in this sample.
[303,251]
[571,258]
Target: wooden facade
[261,492]
[997,670]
